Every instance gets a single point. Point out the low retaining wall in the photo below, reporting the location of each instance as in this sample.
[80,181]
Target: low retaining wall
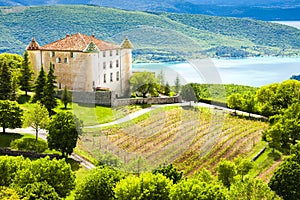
[29,154]
[152,100]
[108,98]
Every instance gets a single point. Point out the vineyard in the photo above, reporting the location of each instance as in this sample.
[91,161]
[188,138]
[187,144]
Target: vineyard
[189,137]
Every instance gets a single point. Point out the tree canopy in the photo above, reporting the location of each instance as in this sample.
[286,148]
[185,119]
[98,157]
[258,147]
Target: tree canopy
[10,115]
[66,97]
[284,130]
[37,117]
[48,97]
[147,186]
[144,82]
[285,181]
[40,83]
[26,74]
[63,132]
[99,184]
[191,188]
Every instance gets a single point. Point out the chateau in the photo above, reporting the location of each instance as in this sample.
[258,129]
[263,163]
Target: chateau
[85,63]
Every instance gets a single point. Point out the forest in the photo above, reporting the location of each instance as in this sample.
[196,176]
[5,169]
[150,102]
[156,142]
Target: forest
[156,37]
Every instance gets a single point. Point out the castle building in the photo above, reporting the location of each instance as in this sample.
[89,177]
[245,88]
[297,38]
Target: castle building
[85,63]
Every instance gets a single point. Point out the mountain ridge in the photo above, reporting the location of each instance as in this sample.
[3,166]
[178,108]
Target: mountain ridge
[156,36]
[268,10]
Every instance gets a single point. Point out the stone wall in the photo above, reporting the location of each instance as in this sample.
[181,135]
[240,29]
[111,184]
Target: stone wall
[108,98]
[152,100]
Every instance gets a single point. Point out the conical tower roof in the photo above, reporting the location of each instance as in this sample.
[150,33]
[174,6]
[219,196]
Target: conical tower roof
[91,48]
[126,44]
[33,45]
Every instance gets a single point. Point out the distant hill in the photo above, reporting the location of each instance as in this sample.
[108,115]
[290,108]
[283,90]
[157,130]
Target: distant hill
[268,10]
[156,36]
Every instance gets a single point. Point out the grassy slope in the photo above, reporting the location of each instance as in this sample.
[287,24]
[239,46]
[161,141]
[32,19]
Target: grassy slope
[152,34]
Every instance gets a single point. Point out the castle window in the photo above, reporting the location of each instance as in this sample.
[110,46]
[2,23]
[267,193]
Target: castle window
[110,53]
[58,60]
[117,52]
[118,76]
[53,66]
[52,54]
[104,78]
[117,63]
[66,60]
[104,54]
[110,64]
[111,77]
[104,65]
[72,55]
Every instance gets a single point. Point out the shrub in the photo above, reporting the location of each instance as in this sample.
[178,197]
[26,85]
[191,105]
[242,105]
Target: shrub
[8,194]
[29,144]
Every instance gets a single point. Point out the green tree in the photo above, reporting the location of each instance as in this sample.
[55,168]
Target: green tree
[243,166]
[39,191]
[177,84]
[48,99]
[10,115]
[9,74]
[57,173]
[144,82]
[161,77]
[167,89]
[37,118]
[26,74]
[39,86]
[235,101]
[226,172]
[274,136]
[191,189]
[8,194]
[63,132]
[14,85]
[251,189]
[5,80]
[285,181]
[285,128]
[8,168]
[170,172]
[248,103]
[66,97]
[99,184]
[188,94]
[145,187]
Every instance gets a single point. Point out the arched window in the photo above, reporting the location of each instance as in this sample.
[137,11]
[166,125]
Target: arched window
[58,60]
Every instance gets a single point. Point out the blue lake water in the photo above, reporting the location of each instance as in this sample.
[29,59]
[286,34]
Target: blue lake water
[250,71]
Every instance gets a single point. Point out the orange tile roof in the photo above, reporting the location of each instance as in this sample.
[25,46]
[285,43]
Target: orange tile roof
[78,42]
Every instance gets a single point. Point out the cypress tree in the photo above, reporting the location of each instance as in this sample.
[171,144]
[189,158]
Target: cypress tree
[49,100]
[66,97]
[39,86]
[26,74]
[5,80]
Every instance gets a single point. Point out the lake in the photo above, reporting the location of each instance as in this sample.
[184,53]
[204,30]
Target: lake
[250,71]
